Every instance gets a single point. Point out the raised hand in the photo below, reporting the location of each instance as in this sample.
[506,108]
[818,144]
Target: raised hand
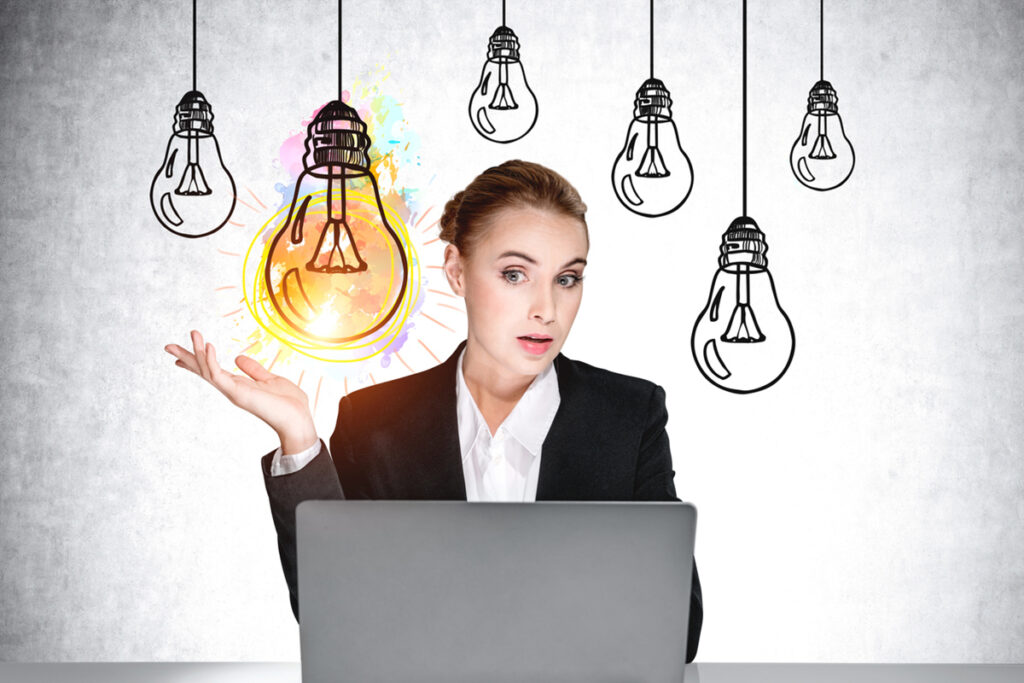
[272,398]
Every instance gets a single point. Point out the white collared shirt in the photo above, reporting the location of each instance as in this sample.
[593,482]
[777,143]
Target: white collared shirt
[504,466]
[499,467]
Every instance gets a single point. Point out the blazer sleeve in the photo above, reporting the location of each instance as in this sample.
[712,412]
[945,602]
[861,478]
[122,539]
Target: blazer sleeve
[654,481]
[318,480]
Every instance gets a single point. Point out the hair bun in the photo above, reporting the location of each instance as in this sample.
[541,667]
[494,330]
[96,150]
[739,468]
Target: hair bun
[450,216]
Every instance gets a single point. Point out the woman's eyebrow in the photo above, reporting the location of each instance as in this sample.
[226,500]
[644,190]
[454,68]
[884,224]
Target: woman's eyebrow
[519,254]
[529,259]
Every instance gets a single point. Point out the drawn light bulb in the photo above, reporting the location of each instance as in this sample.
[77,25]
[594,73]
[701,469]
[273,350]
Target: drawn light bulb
[192,193]
[822,157]
[503,108]
[743,340]
[652,175]
[336,271]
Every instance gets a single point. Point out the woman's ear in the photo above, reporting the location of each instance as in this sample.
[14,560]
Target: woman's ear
[454,269]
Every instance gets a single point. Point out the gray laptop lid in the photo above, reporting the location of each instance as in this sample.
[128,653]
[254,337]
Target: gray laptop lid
[490,592]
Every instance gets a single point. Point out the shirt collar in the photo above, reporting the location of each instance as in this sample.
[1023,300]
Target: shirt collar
[529,421]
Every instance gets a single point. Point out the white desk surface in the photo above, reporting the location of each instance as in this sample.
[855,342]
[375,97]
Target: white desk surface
[275,672]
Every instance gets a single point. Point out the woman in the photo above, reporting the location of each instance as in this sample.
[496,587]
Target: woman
[506,417]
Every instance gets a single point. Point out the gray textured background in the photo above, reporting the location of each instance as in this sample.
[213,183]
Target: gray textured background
[869,507]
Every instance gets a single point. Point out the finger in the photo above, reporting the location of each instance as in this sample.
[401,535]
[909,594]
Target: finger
[252,368]
[198,346]
[218,376]
[185,359]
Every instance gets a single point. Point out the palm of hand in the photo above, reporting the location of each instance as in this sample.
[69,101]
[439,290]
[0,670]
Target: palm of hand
[260,396]
[272,398]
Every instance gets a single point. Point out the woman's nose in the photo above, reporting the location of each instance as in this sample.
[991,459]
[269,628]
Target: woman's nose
[542,307]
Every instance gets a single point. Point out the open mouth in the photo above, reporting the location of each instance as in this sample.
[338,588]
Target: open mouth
[535,345]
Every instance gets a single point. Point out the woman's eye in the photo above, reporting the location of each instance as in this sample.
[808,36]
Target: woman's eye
[569,280]
[513,276]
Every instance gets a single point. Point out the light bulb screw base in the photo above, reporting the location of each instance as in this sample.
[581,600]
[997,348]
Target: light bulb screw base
[193,116]
[653,102]
[744,248]
[503,46]
[337,138]
[823,99]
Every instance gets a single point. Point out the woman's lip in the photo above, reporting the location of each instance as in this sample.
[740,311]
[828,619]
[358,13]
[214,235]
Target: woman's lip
[537,348]
[538,337]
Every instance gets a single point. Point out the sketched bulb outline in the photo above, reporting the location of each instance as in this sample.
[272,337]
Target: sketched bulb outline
[336,272]
[652,175]
[503,108]
[822,158]
[743,341]
[192,194]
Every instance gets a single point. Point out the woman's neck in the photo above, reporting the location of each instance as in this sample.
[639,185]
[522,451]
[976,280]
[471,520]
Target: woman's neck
[495,392]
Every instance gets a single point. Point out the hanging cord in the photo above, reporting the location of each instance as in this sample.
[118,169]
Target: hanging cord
[652,38]
[502,12]
[193,45]
[340,88]
[821,16]
[744,107]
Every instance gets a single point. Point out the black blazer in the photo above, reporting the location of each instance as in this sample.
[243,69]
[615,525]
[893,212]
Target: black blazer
[400,441]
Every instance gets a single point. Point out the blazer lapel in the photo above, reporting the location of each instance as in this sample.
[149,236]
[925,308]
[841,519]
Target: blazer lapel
[560,465]
[444,479]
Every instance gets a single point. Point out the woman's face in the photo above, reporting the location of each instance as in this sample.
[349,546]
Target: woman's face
[522,284]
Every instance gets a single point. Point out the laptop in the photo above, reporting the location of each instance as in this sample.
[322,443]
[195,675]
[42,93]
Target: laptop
[448,591]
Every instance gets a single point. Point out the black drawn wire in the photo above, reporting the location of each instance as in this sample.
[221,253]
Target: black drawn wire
[821,37]
[340,88]
[652,38]
[744,107]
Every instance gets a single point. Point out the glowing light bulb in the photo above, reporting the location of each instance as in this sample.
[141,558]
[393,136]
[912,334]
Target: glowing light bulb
[652,175]
[192,193]
[822,157]
[503,108]
[743,340]
[336,271]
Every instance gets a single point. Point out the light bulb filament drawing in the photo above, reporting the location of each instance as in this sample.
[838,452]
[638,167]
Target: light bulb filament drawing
[336,250]
[193,181]
[743,328]
[653,163]
[503,98]
[822,147]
